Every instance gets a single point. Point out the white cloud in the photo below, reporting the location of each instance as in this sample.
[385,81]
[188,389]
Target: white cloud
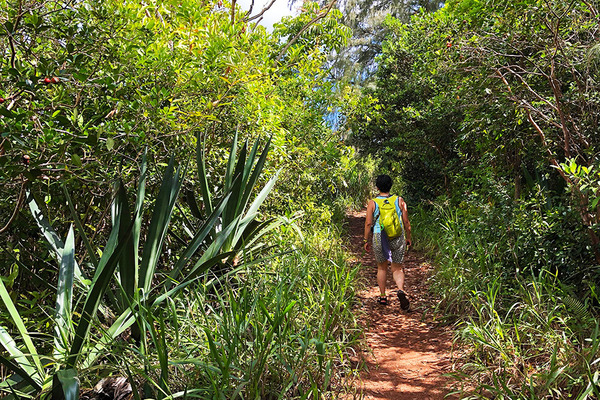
[274,14]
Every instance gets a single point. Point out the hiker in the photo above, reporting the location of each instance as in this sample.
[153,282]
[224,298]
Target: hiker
[387,223]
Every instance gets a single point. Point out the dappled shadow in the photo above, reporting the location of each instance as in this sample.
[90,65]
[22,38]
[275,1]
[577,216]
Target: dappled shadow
[408,352]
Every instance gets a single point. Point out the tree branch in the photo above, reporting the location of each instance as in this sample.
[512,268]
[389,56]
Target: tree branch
[233,12]
[260,14]
[322,14]
[17,206]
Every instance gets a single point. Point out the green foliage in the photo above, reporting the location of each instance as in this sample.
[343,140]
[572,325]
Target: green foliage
[172,77]
[540,340]
[517,283]
[488,111]
[482,90]
[141,298]
[151,76]
[69,339]
[258,332]
[411,127]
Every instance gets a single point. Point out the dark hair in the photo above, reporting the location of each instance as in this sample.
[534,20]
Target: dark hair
[383,183]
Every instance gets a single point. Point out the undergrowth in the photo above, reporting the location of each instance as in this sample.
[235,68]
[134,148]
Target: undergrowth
[518,284]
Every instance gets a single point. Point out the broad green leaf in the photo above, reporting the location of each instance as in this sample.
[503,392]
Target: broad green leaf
[65,385]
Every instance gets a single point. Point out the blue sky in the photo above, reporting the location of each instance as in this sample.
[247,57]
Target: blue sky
[274,14]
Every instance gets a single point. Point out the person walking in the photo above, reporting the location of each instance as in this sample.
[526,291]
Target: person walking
[388,234]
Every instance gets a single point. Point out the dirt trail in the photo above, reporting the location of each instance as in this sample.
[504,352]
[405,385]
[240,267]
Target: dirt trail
[407,353]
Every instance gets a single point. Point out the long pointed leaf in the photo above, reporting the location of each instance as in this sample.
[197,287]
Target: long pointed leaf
[22,361]
[64,297]
[215,250]
[18,389]
[204,189]
[231,163]
[249,232]
[49,233]
[8,342]
[237,189]
[252,211]
[160,345]
[190,199]
[207,263]
[199,238]
[16,369]
[250,161]
[258,168]
[139,204]
[93,298]
[78,224]
[263,194]
[163,209]
[127,262]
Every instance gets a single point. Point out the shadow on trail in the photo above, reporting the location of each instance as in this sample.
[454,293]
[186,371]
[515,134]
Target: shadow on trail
[407,354]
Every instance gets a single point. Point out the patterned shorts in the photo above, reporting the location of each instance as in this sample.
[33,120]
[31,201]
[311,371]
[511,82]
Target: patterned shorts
[386,249]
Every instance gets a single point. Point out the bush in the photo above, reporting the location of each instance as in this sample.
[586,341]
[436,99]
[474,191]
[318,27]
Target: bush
[518,279]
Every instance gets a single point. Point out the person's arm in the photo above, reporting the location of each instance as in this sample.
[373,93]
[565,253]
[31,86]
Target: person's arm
[405,221]
[368,225]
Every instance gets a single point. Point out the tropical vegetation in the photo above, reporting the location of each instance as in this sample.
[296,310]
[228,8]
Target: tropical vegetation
[488,113]
[163,164]
[175,179]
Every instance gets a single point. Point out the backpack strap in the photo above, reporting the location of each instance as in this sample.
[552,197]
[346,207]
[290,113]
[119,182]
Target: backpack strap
[375,216]
[398,209]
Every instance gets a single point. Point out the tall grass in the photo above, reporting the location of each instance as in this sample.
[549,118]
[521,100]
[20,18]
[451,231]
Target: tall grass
[281,329]
[525,329]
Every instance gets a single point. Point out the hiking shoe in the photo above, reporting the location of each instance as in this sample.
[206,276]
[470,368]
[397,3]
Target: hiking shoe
[382,300]
[404,303]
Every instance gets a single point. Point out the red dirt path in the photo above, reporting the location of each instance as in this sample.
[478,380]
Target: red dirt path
[408,353]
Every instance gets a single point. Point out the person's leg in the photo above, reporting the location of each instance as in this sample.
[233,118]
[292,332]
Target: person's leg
[398,275]
[382,276]
[382,262]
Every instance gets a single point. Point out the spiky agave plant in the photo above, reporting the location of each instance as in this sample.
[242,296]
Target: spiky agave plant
[140,292]
[31,371]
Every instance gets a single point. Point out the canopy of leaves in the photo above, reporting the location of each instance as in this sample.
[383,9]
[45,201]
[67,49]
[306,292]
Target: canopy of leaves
[482,94]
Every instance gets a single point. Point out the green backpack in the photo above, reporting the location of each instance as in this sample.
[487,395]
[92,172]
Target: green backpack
[388,216]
